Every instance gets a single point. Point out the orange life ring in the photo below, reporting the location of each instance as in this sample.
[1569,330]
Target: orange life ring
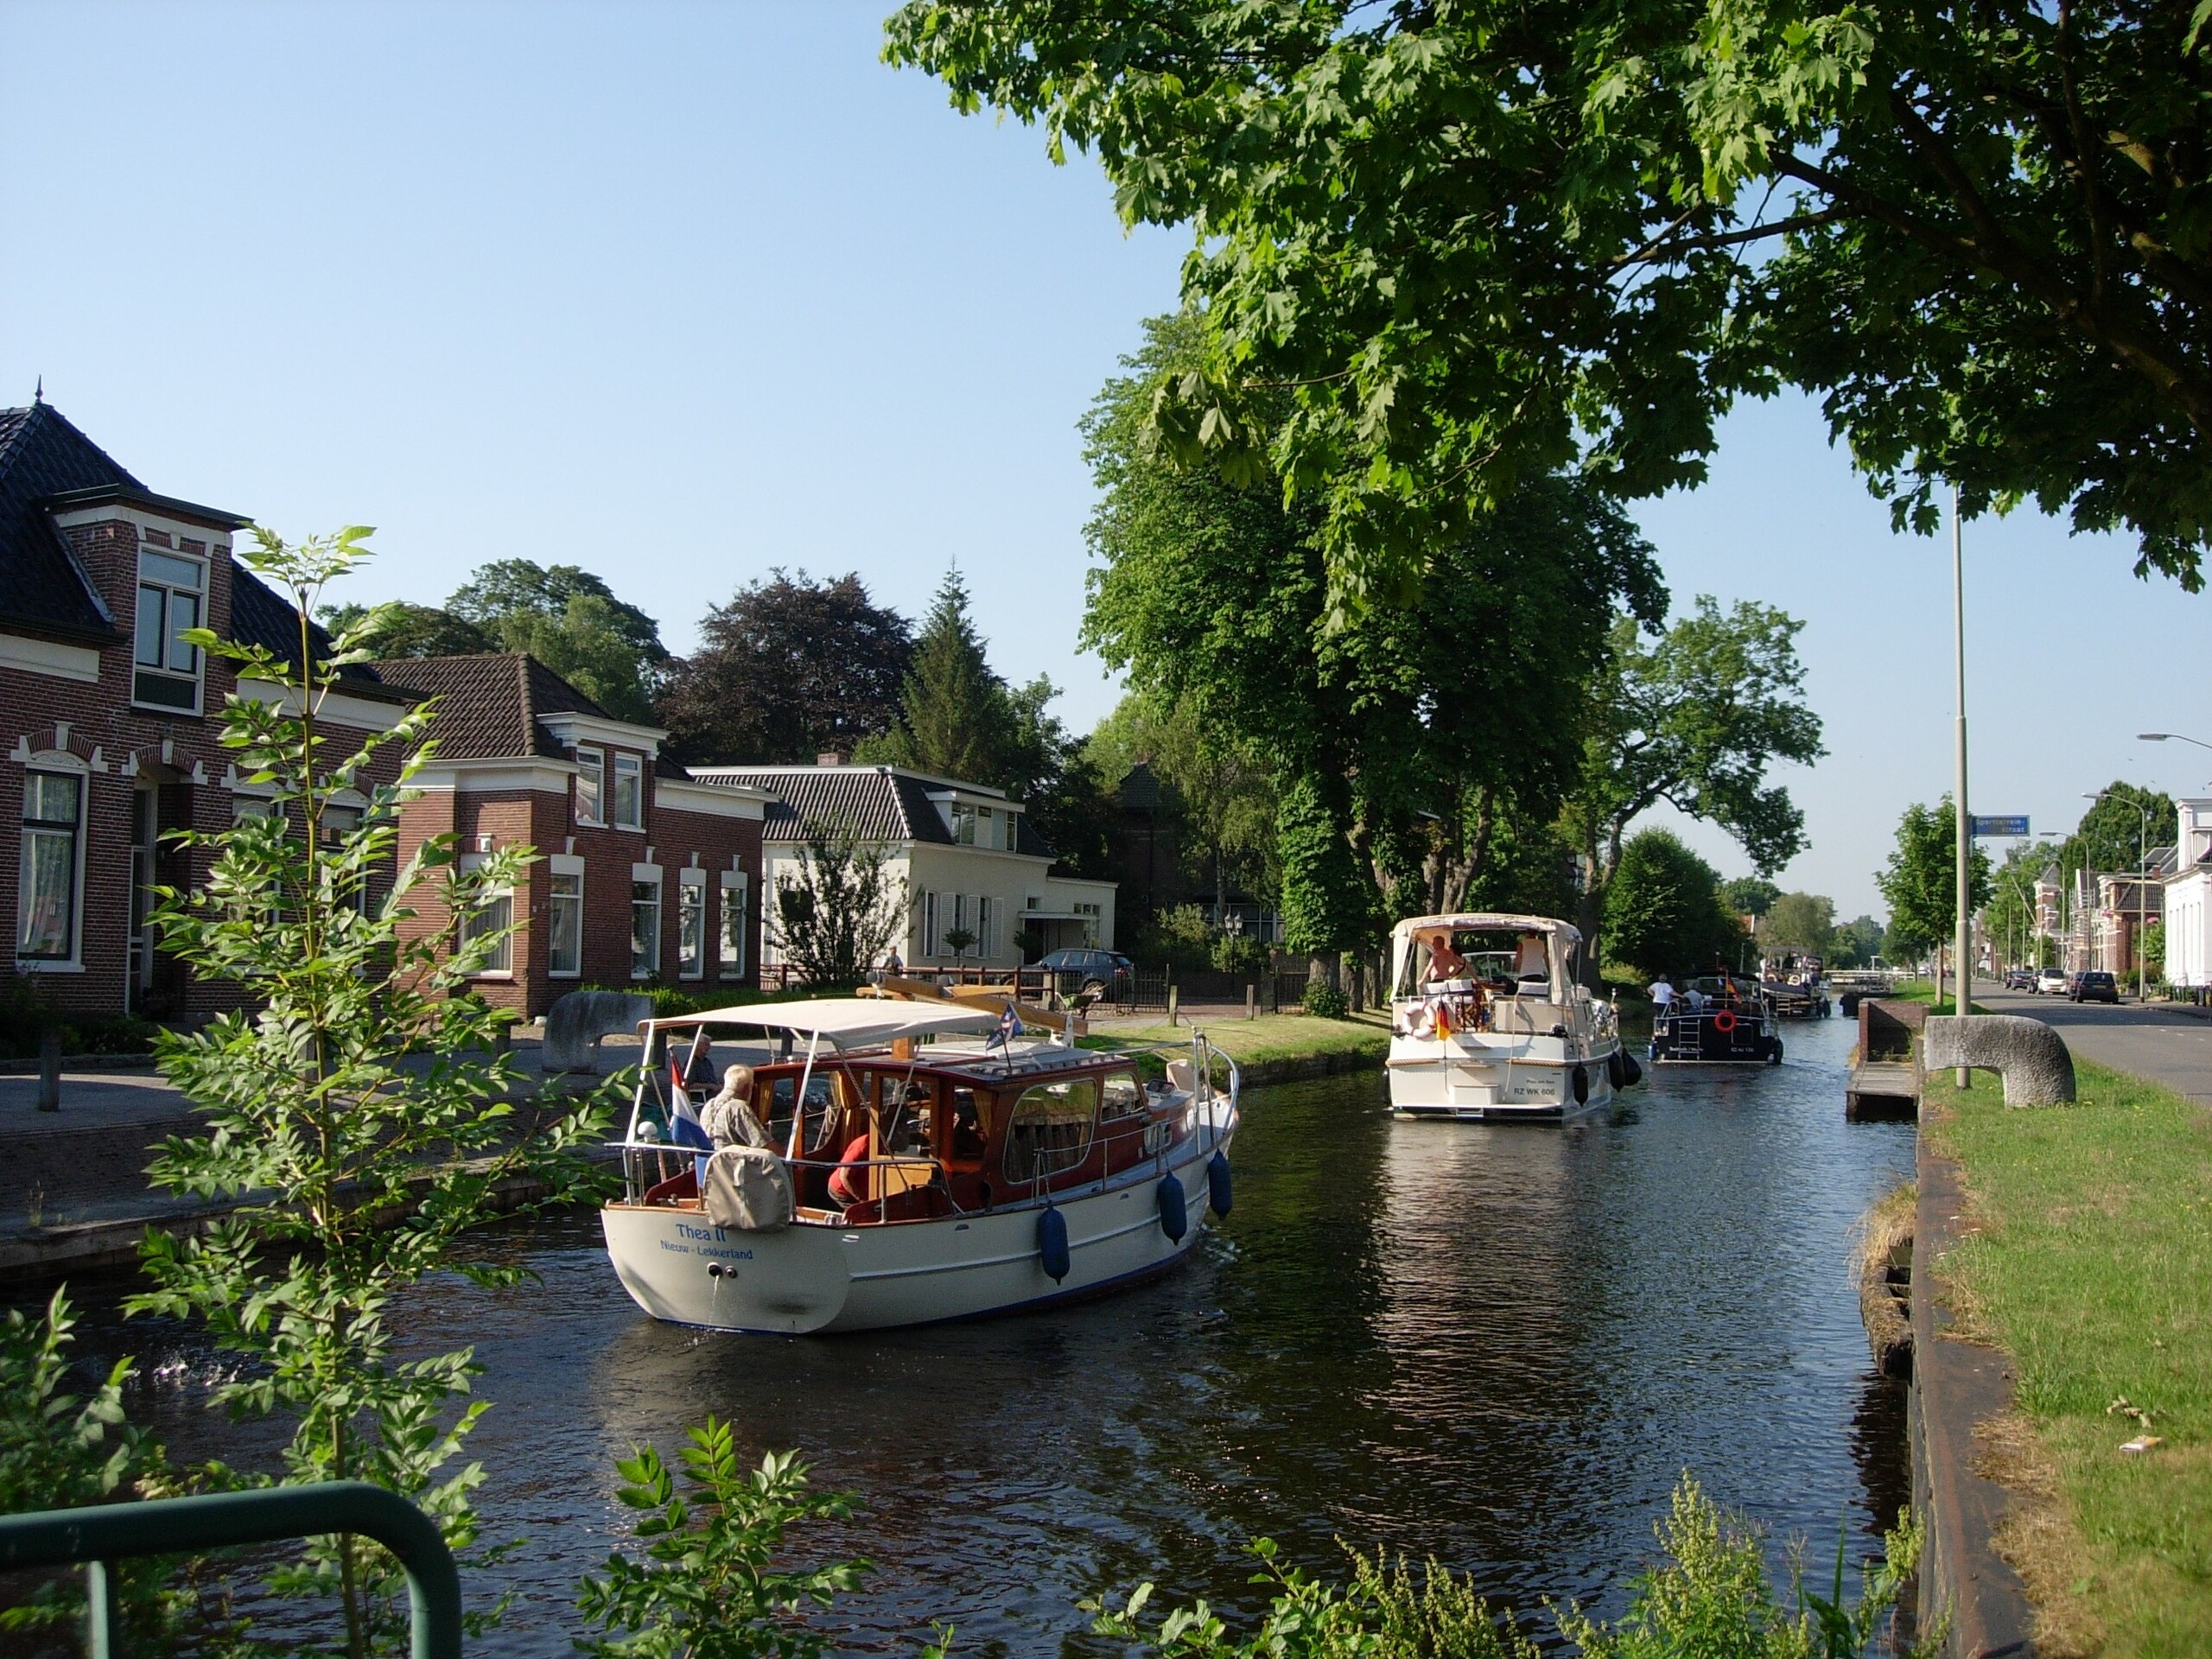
[1724,1022]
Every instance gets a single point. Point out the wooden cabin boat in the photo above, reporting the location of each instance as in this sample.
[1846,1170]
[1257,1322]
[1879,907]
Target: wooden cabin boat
[1487,1022]
[1718,1021]
[918,1170]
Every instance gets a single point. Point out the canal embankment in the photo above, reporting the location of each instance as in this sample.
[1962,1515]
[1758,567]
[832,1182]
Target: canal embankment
[1270,1048]
[2062,1296]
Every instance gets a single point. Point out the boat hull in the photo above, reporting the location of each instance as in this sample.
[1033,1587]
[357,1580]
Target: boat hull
[1473,1083]
[818,1278]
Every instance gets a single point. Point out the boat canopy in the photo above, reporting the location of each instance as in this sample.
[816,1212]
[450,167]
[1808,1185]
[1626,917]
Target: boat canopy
[1562,939]
[847,1021]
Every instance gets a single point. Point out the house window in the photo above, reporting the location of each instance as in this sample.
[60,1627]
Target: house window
[493,917]
[691,927]
[929,924]
[564,927]
[172,598]
[334,824]
[963,825]
[629,792]
[591,785]
[987,926]
[986,827]
[645,928]
[736,929]
[53,807]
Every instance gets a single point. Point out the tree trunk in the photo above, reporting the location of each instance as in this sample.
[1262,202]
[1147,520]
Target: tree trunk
[1589,916]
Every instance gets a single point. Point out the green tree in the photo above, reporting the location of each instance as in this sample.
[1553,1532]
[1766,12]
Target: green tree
[570,620]
[1857,944]
[1663,910]
[1324,901]
[400,629]
[2110,837]
[789,668]
[1799,921]
[1749,895]
[1469,244]
[1921,880]
[952,709]
[840,909]
[1221,789]
[2010,916]
[1693,719]
[357,1115]
[1432,726]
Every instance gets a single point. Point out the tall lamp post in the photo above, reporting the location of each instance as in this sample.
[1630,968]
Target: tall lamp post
[2142,892]
[1962,950]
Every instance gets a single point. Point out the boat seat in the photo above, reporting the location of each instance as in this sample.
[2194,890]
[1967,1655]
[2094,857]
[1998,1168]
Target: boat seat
[1179,1075]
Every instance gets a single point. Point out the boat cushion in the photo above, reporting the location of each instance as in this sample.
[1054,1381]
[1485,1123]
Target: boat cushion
[749,1188]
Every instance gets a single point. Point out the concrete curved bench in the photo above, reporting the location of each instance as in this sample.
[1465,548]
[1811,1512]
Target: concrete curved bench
[2029,1055]
[575,1024]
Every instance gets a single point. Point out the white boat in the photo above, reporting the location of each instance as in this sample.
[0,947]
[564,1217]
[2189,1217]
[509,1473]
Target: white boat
[932,1174]
[1487,1021]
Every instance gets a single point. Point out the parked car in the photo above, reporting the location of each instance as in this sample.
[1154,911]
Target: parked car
[2020,979]
[2094,986]
[2049,982]
[1109,968]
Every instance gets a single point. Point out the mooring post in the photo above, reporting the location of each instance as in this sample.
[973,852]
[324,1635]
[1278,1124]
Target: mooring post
[49,1070]
[1251,1001]
[1174,1003]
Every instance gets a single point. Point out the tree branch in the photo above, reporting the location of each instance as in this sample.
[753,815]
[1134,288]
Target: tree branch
[1733,238]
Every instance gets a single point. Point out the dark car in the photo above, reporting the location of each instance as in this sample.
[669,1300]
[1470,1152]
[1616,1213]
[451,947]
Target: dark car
[2020,979]
[2095,987]
[1109,968]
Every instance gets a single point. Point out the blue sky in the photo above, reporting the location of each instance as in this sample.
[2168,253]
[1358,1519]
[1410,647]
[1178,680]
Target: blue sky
[681,293]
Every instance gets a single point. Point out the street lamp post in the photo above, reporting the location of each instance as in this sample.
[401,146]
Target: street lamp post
[1962,950]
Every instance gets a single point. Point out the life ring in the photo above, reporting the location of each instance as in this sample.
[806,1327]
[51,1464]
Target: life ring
[1724,1021]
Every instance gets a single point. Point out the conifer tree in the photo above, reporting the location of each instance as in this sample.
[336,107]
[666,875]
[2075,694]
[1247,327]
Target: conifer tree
[953,711]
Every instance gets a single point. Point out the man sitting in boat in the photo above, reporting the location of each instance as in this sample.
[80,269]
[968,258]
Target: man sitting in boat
[727,1118]
[1444,962]
[1531,959]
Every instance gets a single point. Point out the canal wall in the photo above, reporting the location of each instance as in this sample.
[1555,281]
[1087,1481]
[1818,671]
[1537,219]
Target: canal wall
[1956,1387]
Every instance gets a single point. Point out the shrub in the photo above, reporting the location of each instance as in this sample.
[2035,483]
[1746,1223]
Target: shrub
[709,1588]
[1180,937]
[1236,953]
[25,1015]
[1325,1001]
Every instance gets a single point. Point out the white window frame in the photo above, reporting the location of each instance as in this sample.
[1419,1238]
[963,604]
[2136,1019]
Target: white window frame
[645,875]
[71,960]
[564,868]
[986,926]
[690,911]
[632,767]
[591,763]
[731,943]
[165,588]
[929,925]
[501,964]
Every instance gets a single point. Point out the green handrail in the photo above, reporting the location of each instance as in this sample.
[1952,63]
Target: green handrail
[170,1526]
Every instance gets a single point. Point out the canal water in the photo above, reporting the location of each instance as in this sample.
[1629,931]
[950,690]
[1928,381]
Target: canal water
[1498,1346]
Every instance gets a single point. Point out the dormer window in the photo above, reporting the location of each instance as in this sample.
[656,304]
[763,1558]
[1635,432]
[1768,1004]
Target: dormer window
[629,792]
[591,785]
[172,598]
[963,825]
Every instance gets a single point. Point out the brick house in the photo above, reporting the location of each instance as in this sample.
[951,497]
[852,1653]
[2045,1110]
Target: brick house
[109,720]
[966,855]
[645,873]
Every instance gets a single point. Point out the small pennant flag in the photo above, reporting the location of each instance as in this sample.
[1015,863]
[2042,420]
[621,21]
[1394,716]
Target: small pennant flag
[1008,1028]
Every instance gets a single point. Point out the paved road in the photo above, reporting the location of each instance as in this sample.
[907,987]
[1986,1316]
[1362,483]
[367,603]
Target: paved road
[2170,1044]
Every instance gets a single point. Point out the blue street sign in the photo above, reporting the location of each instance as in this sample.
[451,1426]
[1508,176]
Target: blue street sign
[1982,826]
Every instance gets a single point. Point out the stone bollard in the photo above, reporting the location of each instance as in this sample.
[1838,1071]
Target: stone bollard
[2029,1055]
[49,1070]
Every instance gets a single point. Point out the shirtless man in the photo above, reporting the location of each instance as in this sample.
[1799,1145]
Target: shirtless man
[1444,962]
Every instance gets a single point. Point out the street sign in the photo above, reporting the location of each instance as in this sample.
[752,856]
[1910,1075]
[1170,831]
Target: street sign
[1998,826]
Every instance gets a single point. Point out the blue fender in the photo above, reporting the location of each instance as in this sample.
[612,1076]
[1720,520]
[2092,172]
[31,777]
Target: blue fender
[1174,1212]
[1217,1185]
[1053,1243]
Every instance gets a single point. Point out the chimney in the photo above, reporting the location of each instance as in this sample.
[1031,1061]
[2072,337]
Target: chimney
[830,757]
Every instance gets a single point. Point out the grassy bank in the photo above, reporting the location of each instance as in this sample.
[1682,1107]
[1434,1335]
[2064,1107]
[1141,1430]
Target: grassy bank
[1271,1040]
[2093,1268]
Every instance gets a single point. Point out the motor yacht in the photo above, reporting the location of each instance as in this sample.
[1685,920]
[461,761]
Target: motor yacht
[1718,1020]
[1487,1021]
[924,1163]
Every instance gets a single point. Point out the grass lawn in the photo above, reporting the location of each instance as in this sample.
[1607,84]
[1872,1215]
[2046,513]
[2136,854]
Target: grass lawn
[1270,1037]
[2093,1268]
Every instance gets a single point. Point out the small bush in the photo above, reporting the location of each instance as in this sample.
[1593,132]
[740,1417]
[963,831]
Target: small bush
[1234,953]
[25,1015]
[1325,1001]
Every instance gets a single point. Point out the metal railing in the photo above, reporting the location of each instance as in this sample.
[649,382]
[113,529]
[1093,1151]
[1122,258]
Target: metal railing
[173,1526]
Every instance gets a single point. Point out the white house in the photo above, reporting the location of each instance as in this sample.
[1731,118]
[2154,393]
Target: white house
[2189,899]
[968,859]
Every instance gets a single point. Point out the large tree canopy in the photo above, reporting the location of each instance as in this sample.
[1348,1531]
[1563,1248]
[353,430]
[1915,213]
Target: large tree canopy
[789,668]
[1471,243]
[570,620]
[1921,880]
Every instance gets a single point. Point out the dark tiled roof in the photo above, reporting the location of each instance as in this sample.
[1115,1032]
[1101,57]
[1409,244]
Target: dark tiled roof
[492,704]
[879,803]
[41,585]
[261,616]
